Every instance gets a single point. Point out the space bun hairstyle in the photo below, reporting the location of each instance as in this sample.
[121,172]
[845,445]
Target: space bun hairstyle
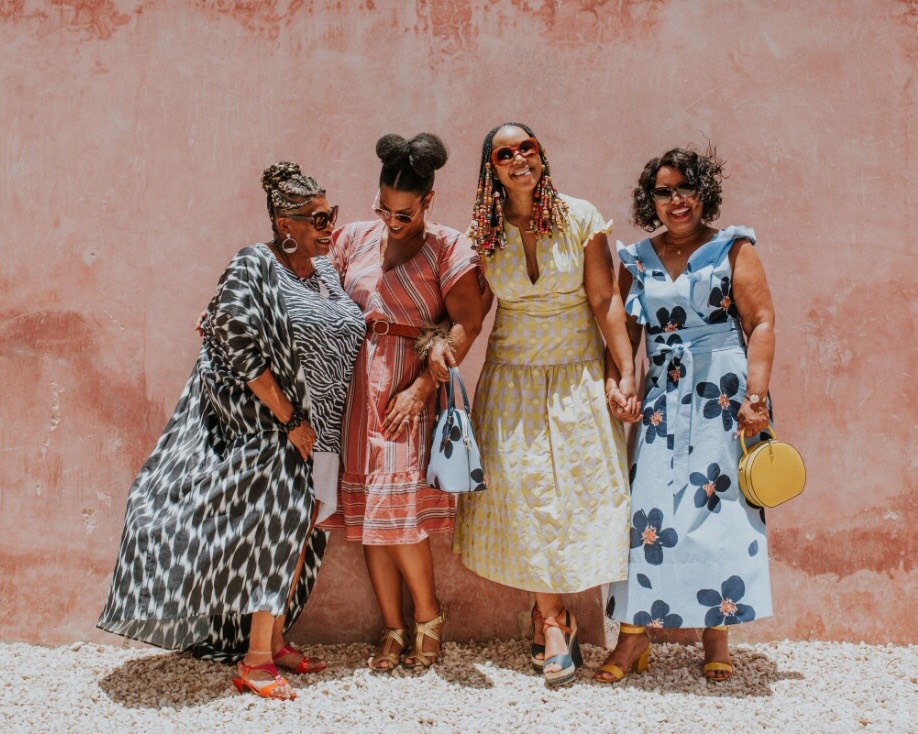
[288,187]
[409,165]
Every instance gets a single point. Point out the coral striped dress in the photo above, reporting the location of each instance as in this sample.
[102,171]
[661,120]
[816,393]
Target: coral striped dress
[383,496]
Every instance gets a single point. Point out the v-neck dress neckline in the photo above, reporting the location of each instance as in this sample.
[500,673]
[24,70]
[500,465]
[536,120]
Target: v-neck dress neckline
[688,262]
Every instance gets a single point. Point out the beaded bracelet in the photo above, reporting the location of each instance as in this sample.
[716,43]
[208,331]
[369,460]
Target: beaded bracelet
[295,420]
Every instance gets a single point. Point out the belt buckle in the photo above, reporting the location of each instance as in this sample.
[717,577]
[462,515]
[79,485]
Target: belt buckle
[381,333]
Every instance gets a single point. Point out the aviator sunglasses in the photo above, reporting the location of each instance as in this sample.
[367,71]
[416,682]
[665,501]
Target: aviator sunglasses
[668,193]
[505,154]
[319,220]
[400,217]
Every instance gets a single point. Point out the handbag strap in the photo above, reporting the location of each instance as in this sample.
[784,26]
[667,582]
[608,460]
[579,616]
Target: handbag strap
[742,438]
[454,374]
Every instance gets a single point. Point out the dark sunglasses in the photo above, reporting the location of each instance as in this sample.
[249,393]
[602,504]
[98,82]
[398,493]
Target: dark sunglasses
[319,220]
[667,193]
[504,155]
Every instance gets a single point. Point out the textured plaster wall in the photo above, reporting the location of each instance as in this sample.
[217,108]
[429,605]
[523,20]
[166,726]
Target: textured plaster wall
[133,136]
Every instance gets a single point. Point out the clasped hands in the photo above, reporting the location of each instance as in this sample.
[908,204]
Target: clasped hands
[622,399]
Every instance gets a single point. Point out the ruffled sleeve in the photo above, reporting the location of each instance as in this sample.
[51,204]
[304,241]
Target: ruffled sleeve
[634,302]
[587,220]
[719,257]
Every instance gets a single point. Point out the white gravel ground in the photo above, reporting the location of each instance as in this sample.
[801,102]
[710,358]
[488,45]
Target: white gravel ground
[783,686]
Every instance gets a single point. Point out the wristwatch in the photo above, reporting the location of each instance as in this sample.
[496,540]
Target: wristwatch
[295,420]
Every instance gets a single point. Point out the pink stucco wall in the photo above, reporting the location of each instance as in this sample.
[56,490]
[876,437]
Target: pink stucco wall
[133,136]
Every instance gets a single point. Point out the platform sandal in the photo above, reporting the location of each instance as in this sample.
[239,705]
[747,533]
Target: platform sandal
[712,668]
[385,653]
[536,648]
[639,665]
[568,661]
[265,689]
[431,629]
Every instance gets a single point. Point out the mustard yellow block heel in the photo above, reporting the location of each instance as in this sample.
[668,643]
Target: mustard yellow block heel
[638,666]
[708,669]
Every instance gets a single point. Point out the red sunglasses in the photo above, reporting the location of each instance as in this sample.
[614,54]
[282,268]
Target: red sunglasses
[503,156]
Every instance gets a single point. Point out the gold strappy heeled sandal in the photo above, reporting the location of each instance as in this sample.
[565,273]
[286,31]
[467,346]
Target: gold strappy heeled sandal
[385,653]
[431,629]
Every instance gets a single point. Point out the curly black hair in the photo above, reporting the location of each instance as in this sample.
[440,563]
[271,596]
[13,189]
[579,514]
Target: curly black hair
[703,171]
[409,165]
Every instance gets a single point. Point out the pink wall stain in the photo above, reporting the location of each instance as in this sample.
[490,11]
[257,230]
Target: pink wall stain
[135,134]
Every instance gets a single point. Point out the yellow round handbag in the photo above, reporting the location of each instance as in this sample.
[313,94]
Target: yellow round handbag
[770,472]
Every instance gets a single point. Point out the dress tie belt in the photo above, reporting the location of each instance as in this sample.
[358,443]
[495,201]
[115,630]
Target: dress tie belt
[678,349]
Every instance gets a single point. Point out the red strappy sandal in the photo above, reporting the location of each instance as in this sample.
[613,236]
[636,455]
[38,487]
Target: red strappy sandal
[307,664]
[268,689]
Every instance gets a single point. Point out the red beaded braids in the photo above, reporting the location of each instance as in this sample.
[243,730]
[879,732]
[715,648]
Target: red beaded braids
[549,212]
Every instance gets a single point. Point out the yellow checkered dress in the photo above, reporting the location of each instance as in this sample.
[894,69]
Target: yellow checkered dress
[555,515]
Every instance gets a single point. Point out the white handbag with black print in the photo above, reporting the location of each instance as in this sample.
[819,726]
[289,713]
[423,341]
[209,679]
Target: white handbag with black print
[455,463]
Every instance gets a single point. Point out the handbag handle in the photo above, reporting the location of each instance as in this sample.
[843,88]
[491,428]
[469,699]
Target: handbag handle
[450,395]
[742,438]
[454,373]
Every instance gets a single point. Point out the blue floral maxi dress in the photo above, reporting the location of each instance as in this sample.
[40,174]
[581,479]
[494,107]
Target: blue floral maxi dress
[699,552]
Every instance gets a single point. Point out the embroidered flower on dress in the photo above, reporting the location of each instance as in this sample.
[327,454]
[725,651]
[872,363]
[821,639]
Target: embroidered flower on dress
[725,607]
[669,320]
[629,259]
[708,486]
[658,617]
[719,399]
[647,530]
[722,300]
[654,418]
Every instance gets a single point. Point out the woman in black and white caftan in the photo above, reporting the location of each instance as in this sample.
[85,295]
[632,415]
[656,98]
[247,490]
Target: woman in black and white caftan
[219,551]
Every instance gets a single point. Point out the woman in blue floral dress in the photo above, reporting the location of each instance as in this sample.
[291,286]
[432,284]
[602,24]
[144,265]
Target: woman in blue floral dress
[699,552]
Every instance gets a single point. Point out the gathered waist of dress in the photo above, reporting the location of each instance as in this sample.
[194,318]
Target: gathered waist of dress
[697,339]
[531,338]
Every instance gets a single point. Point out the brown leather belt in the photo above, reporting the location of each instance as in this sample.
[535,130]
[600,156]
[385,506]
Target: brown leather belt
[387,328]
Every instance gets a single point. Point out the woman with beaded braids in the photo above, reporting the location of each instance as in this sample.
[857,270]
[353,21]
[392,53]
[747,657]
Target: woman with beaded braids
[405,272]
[699,553]
[554,519]
[218,555]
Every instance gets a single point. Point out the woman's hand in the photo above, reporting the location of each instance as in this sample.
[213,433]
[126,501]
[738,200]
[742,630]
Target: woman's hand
[623,400]
[303,438]
[752,418]
[439,361]
[403,411]
[199,327]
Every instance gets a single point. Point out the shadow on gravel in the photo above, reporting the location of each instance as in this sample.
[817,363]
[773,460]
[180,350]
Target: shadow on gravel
[179,680]
[171,679]
[676,668]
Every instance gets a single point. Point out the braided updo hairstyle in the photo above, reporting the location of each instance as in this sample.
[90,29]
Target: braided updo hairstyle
[549,212]
[287,188]
[409,165]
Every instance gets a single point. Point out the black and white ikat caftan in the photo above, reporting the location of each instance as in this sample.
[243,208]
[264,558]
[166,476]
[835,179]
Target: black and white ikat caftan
[218,515]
